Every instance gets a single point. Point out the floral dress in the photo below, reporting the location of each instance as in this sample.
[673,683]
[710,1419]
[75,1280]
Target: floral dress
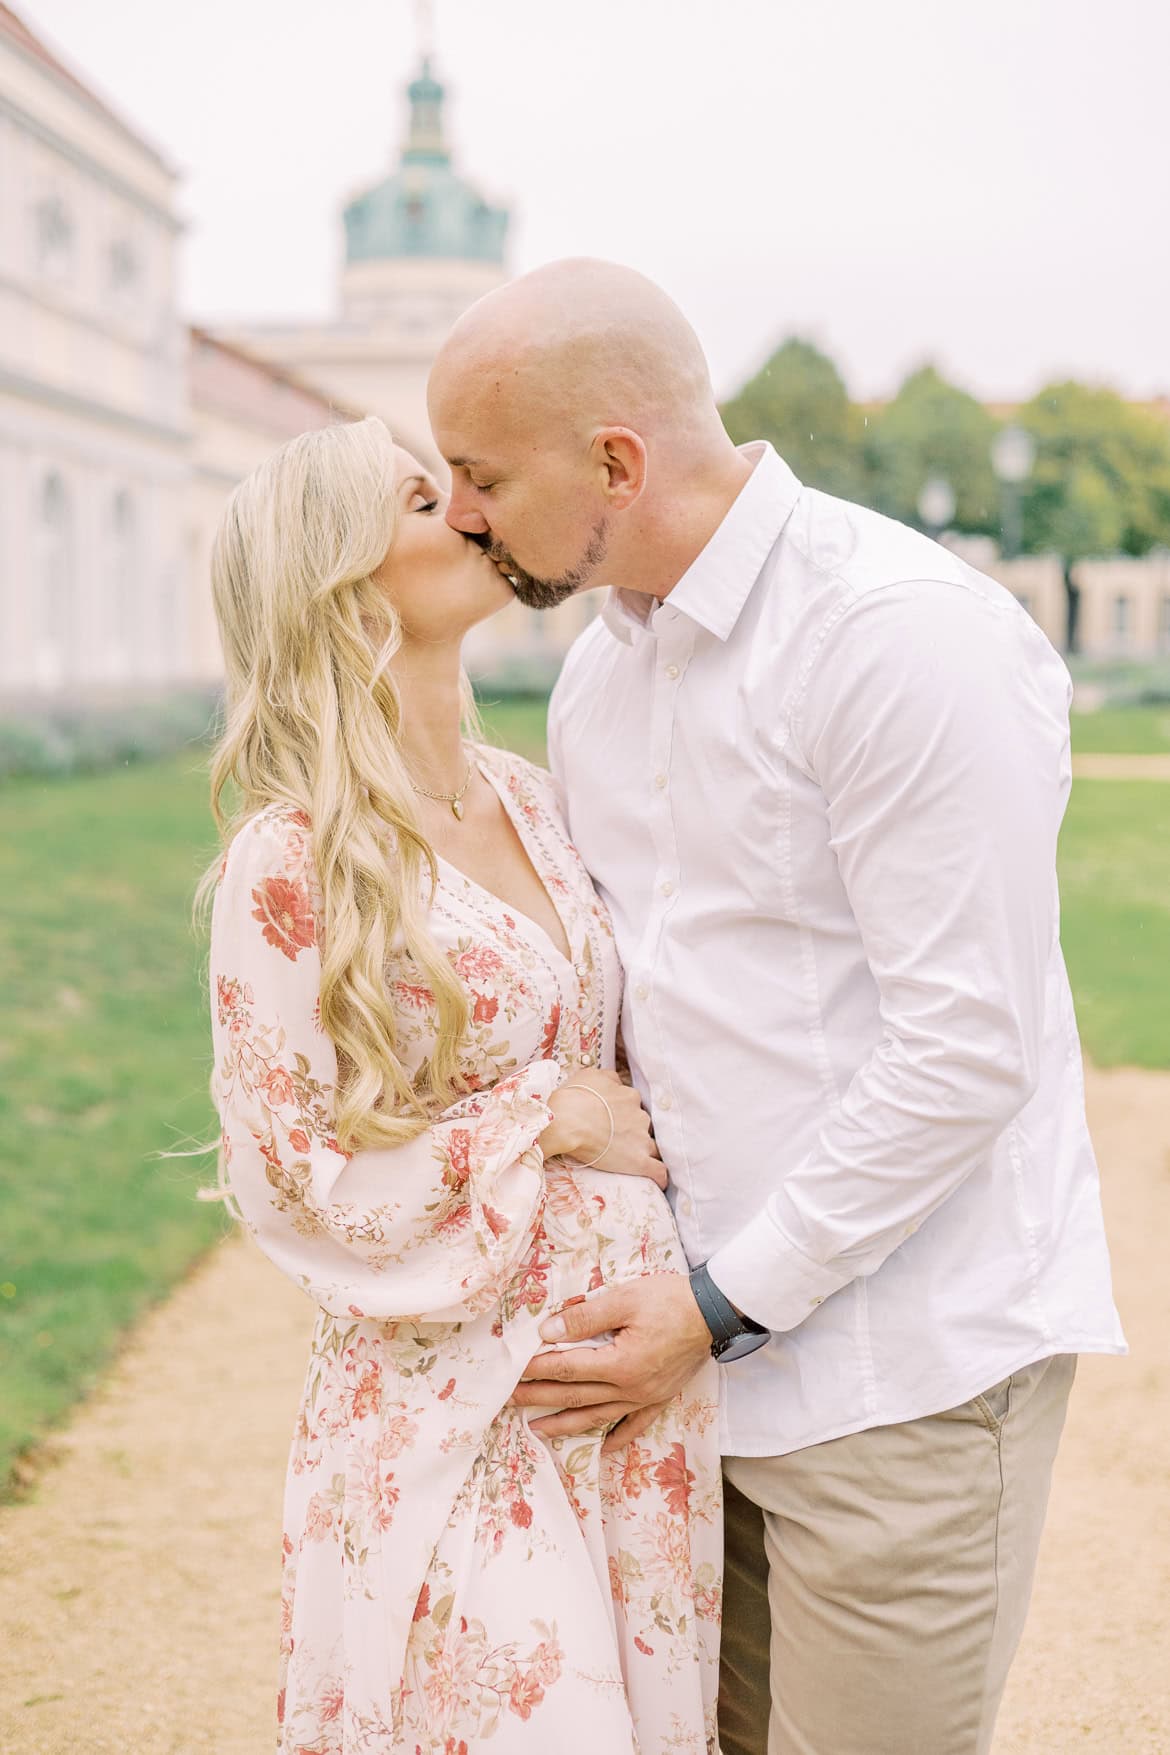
[452,1580]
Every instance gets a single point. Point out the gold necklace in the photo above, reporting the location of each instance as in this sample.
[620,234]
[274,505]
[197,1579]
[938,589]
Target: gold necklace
[454,799]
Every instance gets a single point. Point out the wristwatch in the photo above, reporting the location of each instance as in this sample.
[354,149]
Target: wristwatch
[732,1336]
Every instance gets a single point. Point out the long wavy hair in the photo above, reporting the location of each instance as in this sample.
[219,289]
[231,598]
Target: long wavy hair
[313,722]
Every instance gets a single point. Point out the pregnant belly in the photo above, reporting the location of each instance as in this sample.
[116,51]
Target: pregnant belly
[601,1229]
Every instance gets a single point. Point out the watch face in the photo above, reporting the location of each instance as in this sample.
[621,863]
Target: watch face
[740,1346]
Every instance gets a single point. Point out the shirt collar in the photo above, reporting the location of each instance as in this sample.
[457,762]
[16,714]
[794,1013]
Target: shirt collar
[715,586]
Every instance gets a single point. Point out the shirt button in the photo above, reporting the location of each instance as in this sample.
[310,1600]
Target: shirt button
[665,1101]
[641,991]
[814,1302]
[668,888]
[672,671]
[685,1205]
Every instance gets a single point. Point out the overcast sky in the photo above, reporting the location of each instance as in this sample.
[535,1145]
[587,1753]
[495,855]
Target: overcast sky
[980,182]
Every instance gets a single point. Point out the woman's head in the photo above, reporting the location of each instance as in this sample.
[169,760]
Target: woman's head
[336,550]
[331,558]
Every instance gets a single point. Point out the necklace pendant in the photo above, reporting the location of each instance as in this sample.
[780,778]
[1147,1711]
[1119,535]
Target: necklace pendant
[457,809]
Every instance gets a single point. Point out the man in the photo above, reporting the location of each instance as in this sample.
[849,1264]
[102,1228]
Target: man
[817,766]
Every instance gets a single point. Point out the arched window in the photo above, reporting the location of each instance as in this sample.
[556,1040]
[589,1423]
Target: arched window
[56,586]
[123,593]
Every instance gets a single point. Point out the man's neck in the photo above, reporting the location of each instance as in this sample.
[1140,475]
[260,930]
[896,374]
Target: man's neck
[678,528]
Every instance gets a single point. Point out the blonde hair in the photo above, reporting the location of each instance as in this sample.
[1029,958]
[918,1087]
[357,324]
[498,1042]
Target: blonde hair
[313,723]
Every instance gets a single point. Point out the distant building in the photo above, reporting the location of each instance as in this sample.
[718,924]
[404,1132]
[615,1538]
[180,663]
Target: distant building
[94,411]
[421,246]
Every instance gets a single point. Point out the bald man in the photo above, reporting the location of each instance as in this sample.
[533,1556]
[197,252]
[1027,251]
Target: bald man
[816,765]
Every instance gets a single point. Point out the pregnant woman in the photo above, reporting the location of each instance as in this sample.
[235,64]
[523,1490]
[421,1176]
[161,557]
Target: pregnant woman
[414,1002]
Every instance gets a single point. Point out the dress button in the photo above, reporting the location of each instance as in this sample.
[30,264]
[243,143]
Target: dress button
[672,671]
[668,888]
[586,1060]
[582,972]
[641,991]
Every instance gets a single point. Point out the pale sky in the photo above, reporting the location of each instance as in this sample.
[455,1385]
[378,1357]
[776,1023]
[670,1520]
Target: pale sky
[981,183]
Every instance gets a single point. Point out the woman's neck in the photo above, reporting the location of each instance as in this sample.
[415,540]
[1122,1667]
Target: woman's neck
[430,689]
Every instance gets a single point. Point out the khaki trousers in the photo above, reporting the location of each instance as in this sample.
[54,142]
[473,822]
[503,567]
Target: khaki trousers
[877,1585]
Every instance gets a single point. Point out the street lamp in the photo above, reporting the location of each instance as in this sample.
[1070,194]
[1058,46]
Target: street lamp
[1013,452]
[936,504]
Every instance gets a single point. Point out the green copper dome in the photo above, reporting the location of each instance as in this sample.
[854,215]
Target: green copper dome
[424,209]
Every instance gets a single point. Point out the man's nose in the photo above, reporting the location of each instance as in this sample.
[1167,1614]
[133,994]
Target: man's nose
[464,515]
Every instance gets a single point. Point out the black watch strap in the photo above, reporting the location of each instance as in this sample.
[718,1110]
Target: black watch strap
[732,1335]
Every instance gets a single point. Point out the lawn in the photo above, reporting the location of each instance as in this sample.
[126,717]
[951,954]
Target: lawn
[1122,731]
[104,1042]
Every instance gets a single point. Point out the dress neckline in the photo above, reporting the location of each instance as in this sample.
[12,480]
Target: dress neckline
[530,927]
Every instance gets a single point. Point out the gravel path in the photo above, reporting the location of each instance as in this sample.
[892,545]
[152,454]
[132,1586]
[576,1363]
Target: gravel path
[1121,767]
[138,1588]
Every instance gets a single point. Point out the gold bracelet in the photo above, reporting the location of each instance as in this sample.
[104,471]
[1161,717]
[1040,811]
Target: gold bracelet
[590,1092]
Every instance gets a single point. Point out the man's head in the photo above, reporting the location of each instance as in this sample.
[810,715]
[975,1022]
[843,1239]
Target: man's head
[571,405]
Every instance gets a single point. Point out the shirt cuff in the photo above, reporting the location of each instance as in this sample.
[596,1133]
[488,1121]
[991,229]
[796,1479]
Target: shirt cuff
[768,1278]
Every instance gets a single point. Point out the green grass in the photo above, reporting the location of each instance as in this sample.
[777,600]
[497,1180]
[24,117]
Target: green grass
[516,724]
[1116,918]
[103,1064]
[104,1053]
[1122,731]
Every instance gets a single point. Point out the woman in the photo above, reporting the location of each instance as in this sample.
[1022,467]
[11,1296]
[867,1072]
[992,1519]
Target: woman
[414,997]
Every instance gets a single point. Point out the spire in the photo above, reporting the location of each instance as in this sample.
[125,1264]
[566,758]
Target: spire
[424,143]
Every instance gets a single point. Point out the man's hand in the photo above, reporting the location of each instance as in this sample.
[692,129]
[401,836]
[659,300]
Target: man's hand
[659,1342]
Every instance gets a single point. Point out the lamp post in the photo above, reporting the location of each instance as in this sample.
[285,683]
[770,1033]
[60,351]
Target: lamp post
[1013,453]
[936,505]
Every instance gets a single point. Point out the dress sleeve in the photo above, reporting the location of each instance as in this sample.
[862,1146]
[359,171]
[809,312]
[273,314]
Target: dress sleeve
[428,1231]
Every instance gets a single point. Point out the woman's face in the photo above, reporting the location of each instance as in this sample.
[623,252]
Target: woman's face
[439,581]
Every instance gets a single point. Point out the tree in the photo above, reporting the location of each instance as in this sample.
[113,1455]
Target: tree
[799,402]
[932,428]
[1100,482]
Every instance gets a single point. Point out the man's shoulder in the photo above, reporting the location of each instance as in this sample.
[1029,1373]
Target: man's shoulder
[853,550]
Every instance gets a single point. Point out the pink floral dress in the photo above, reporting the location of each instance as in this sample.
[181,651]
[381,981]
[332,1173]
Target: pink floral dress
[451,1579]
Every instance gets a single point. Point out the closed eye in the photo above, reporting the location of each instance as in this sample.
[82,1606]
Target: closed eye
[431,506]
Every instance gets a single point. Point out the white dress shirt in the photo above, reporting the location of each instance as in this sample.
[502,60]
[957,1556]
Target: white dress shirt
[820,788]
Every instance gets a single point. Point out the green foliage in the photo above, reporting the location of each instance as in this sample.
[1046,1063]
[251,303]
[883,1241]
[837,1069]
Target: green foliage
[799,402]
[1101,480]
[932,428]
[74,738]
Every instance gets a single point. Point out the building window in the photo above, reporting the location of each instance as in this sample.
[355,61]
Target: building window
[53,236]
[123,268]
[1164,623]
[124,597]
[56,618]
[1122,619]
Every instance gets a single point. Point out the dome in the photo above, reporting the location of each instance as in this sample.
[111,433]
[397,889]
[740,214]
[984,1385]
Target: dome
[425,209]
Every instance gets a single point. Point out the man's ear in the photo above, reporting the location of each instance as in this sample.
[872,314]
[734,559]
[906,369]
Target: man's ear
[621,454]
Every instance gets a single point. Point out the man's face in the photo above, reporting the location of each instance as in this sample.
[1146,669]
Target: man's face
[537,507]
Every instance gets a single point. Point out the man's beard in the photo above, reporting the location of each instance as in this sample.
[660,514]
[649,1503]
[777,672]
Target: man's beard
[537,593]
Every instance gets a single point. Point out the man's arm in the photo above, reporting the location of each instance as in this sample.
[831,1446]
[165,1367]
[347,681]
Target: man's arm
[938,731]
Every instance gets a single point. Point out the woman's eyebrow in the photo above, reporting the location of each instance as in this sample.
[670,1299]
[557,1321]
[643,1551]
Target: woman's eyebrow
[408,481]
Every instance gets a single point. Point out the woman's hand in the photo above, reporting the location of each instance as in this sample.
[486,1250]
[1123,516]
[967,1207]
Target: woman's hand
[580,1127]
